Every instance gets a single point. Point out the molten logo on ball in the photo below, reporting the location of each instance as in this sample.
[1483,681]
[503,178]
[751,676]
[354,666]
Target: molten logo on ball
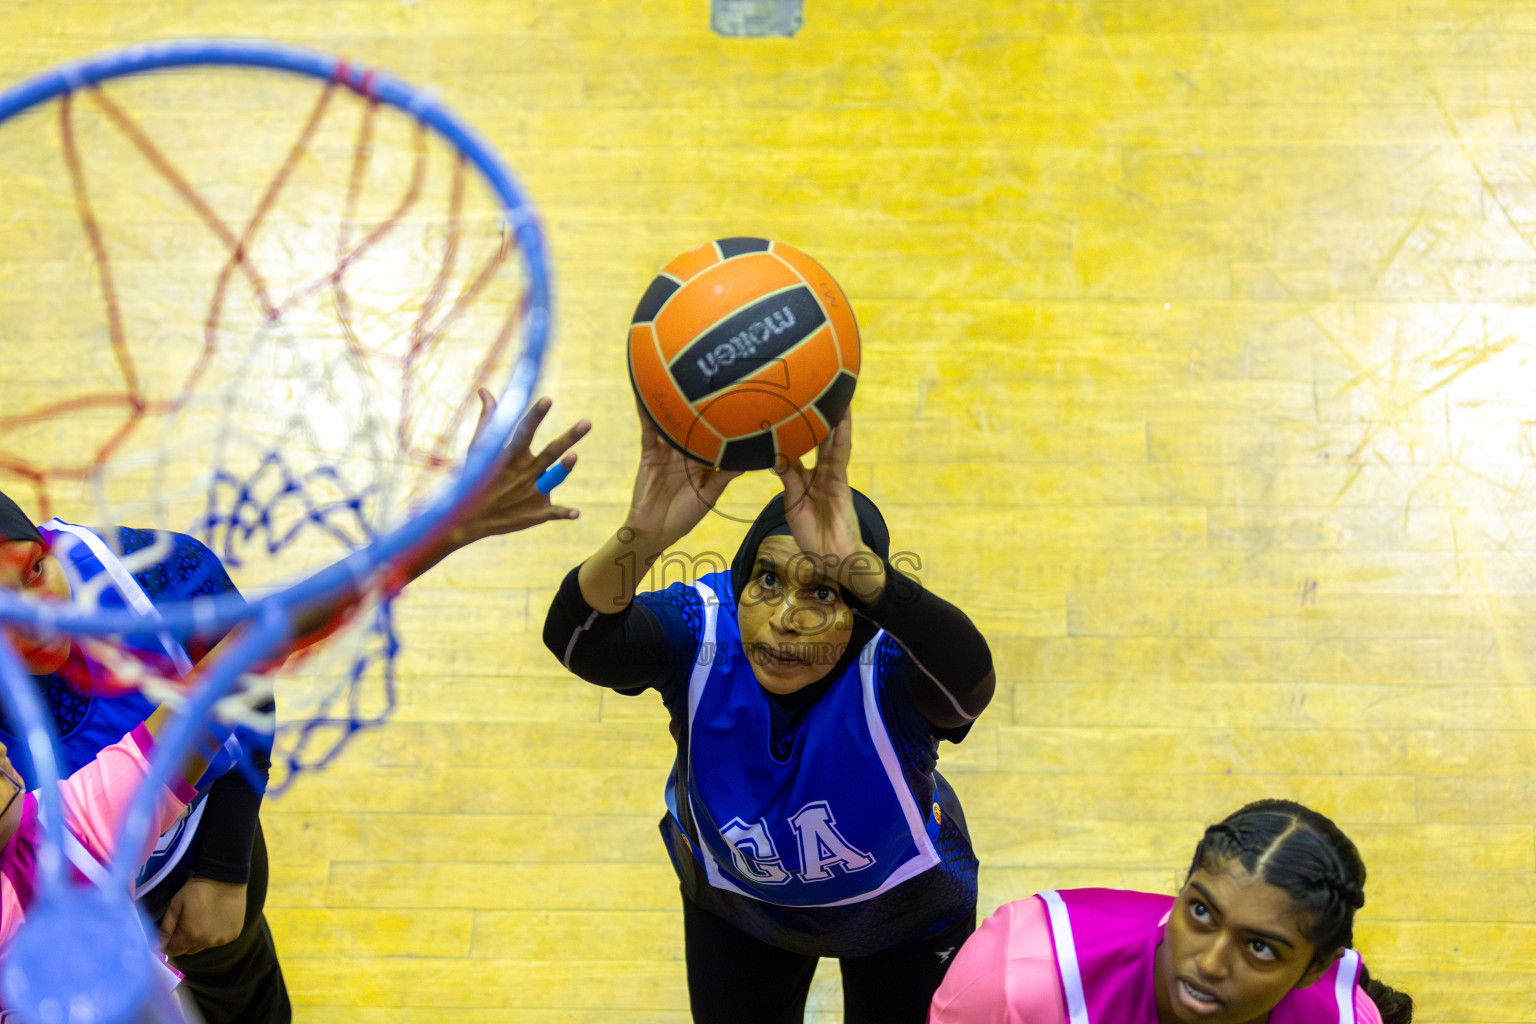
[731,352]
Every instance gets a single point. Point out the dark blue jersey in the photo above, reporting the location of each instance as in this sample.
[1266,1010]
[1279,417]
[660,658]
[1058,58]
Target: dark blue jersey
[889,756]
[827,819]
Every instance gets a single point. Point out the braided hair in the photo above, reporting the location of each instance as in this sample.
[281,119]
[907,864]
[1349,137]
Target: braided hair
[1303,853]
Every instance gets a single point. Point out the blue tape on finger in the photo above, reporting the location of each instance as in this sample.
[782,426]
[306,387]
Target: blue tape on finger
[553,477]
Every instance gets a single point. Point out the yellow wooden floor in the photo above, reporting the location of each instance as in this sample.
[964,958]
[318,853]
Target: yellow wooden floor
[1200,357]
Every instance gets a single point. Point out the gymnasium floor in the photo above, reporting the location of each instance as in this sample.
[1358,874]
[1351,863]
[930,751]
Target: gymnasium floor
[1198,368]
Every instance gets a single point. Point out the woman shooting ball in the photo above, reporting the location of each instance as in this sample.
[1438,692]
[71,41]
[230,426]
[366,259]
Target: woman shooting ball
[809,686]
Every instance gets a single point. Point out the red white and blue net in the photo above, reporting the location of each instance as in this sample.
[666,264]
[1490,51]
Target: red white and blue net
[250,293]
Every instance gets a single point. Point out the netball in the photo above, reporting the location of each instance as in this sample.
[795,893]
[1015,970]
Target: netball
[744,352]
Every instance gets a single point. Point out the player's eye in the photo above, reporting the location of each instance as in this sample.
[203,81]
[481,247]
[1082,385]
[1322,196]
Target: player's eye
[1199,911]
[1262,950]
[826,595]
[769,580]
[34,574]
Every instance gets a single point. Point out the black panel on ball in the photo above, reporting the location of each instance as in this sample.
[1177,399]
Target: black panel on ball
[755,452]
[834,401]
[655,297]
[736,246]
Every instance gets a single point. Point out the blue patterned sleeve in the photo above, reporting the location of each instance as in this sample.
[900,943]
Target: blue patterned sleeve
[190,570]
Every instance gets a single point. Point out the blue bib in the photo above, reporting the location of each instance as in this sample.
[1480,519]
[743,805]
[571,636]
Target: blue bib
[833,823]
[99,577]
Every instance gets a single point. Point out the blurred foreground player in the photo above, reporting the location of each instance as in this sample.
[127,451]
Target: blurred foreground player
[205,883]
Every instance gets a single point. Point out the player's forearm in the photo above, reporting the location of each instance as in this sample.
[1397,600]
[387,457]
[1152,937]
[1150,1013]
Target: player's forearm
[460,535]
[612,575]
[623,650]
[227,829]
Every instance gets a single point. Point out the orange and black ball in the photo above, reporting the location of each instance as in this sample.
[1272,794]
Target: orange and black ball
[744,353]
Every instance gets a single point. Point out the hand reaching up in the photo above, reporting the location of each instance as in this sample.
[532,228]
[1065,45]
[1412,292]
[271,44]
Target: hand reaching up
[818,505]
[672,491]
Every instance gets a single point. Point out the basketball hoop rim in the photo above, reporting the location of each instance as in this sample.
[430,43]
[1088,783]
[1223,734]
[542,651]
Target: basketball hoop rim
[360,567]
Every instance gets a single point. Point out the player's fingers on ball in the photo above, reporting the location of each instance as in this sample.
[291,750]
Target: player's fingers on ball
[713,482]
[793,473]
[647,428]
[835,444]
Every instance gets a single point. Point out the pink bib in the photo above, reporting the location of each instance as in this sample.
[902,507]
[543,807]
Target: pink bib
[1106,941]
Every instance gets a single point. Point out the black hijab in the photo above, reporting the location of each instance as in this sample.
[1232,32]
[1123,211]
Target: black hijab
[16,524]
[770,522]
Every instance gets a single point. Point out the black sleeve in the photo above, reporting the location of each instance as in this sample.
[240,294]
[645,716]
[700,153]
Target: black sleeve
[229,824]
[949,674]
[626,651]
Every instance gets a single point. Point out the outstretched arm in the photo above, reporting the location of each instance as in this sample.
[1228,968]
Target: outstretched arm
[510,501]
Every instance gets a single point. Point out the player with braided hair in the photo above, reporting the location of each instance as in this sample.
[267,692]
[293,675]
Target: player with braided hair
[1259,934]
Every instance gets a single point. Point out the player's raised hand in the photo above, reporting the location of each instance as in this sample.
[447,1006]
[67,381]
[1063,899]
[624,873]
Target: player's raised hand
[672,492]
[818,506]
[511,499]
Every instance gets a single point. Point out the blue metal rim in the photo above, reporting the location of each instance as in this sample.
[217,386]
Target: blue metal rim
[221,613]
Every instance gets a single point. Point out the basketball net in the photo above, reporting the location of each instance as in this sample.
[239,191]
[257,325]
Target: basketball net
[253,308]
